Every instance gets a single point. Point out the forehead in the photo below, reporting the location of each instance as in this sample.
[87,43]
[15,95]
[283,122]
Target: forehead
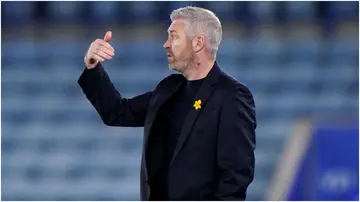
[177,25]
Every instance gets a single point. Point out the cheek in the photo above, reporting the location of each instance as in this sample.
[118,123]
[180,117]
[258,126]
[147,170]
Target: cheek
[177,48]
[180,47]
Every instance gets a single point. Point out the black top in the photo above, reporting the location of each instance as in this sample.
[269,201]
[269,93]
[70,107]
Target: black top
[220,146]
[165,134]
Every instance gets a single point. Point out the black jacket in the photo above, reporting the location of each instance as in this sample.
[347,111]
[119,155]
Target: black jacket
[214,157]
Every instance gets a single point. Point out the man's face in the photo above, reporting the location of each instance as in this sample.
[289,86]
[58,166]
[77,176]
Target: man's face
[178,46]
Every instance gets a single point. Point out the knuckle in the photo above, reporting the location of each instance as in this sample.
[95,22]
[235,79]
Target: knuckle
[93,46]
[97,49]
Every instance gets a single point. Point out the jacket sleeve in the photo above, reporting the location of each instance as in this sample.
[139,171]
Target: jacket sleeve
[236,145]
[113,109]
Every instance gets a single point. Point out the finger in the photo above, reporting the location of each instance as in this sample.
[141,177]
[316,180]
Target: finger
[96,48]
[101,42]
[97,57]
[107,36]
[105,44]
[102,54]
[105,50]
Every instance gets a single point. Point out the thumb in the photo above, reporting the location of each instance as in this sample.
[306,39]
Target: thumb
[107,36]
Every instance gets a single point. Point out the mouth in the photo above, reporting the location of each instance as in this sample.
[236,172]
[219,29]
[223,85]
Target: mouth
[169,55]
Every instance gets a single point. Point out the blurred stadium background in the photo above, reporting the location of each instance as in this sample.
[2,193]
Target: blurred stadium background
[300,59]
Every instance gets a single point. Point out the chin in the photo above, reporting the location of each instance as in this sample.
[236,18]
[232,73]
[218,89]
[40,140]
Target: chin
[172,64]
[172,67]
[176,66]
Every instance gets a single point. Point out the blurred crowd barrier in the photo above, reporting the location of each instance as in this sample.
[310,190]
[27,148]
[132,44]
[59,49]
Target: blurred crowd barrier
[300,60]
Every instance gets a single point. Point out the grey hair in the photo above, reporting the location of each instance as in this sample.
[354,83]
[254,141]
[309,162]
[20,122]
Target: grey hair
[201,21]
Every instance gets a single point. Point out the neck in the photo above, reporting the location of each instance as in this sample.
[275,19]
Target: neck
[198,70]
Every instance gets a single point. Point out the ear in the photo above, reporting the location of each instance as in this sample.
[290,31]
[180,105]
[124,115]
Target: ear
[198,43]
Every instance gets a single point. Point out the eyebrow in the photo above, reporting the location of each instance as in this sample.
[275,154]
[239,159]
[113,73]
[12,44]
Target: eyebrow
[172,31]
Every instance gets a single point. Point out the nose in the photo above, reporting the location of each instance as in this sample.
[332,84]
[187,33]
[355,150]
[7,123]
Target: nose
[167,44]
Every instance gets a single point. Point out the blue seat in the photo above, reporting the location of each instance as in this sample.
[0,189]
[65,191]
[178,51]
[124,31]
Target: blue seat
[233,49]
[300,11]
[172,5]
[144,12]
[115,173]
[265,171]
[34,174]
[9,145]
[109,12]
[146,50]
[28,50]
[131,145]
[17,117]
[329,101]
[224,11]
[289,102]
[86,145]
[77,173]
[261,74]
[262,12]
[338,73]
[17,13]
[264,51]
[298,76]
[304,50]
[342,11]
[343,51]
[67,49]
[62,12]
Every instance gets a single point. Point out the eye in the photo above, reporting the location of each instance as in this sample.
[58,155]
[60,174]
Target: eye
[171,37]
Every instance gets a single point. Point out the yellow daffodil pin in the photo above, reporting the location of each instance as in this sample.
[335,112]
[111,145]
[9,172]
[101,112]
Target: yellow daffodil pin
[197,104]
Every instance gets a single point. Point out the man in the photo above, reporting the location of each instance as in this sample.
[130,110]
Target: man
[199,126]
